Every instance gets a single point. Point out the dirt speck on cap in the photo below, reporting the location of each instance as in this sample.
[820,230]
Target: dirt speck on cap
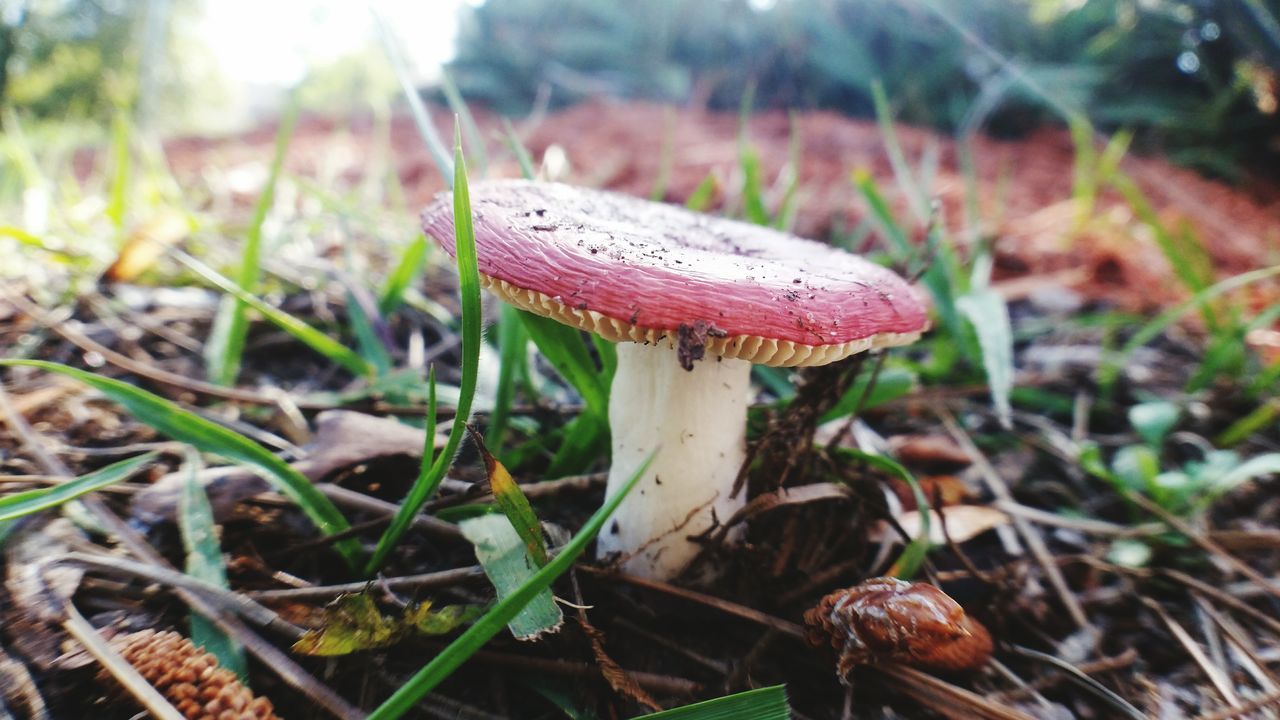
[691,341]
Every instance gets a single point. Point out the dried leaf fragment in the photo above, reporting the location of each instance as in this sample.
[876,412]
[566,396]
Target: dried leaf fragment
[886,620]
[963,523]
[147,244]
[353,622]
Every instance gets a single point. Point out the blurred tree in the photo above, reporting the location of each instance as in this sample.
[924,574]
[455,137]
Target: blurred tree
[360,79]
[84,59]
[1184,73]
[69,57]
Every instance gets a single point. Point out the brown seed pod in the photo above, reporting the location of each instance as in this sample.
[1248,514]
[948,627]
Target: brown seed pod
[191,678]
[886,620]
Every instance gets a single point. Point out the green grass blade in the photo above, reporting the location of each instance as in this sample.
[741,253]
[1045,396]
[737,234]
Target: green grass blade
[608,354]
[899,246]
[185,426]
[916,196]
[989,315]
[18,148]
[790,205]
[369,344]
[331,349]
[1111,366]
[25,238]
[908,563]
[586,438]
[1084,183]
[204,562]
[766,703]
[753,205]
[1256,421]
[406,272]
[421,117]
[121,170]
[700,199]
[475,140]
[429,445]
[469,289]
[513,344]
[443,665]
[513,503]
[231,327]
[666,157]
[518,149]
[564,348]
[32,501]
[890,384]
[775,380]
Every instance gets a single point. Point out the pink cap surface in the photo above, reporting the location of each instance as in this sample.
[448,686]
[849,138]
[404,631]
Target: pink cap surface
[658,267]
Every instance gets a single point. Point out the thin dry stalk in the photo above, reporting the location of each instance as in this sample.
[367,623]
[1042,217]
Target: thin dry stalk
[1245,650]
[119,668]
[1030,535]
[1225,598]
[1269,700]
[725,606]
[1205,543]
[1216,675]
[444,578]
[946,699]
[223,598]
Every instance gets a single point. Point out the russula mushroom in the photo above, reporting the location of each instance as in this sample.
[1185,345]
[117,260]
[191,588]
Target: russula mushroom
[693,302]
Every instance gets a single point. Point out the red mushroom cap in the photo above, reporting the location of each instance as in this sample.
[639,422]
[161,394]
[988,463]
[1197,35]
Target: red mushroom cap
[636,270]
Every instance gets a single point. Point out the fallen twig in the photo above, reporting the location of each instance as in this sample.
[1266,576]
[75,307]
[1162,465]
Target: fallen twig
[1030,535]
[118,667]
[444,578]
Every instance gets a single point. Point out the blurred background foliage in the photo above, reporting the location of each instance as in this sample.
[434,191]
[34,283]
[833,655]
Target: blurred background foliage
[84,59]
[1197,79]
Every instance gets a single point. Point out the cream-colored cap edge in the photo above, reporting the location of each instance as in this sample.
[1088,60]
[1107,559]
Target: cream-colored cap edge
[752,348]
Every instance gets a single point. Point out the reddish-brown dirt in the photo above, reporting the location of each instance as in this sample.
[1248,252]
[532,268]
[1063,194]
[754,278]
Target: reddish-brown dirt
[1023,189]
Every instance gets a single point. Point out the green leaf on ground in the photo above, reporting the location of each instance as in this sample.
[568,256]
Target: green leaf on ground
[448,660]
[505,559]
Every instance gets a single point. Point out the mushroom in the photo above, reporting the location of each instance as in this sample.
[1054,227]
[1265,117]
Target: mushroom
[692,301]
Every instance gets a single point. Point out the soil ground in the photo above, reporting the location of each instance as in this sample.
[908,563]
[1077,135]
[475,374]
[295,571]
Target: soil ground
[1192,632]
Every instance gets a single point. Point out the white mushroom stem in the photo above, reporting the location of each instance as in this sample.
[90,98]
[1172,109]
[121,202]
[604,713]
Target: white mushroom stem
[696,420]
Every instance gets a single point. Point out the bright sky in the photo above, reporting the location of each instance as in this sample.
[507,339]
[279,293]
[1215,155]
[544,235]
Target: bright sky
[272,42]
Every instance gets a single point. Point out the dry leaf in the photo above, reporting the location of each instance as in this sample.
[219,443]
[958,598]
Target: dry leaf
[353,622]
[887,620]
[945,490]
[964,522]
[928,451]
[146,244]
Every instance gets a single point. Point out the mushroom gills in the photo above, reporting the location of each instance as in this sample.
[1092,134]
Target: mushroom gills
[696,421]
